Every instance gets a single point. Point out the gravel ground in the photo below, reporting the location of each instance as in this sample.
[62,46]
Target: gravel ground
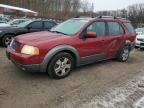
[108,84]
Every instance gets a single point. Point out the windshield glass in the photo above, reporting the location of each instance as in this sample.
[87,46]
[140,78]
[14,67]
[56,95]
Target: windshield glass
[70,27]
[24,24]
[17,21]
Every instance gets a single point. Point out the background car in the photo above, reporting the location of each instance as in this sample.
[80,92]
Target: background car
[139,31]
[14,22]
[139,38]
[4,18]
[6,33]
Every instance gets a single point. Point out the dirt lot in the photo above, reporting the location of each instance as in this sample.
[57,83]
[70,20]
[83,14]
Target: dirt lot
[108,84]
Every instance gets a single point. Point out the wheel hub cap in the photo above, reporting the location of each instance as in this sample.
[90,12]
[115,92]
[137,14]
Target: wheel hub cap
[7,40]
[125,54]
[62,66]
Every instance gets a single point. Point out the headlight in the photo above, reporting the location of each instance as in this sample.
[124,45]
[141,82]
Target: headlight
[1,31]
[30,50]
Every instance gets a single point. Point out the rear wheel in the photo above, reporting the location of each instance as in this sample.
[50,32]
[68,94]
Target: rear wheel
[124,54]
[60,66]
[136,47]
[7,40]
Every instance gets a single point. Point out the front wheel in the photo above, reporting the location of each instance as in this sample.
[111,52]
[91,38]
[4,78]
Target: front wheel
[124,54]
[6,40]
[60,66]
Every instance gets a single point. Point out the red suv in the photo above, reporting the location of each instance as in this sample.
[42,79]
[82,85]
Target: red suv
[75,42]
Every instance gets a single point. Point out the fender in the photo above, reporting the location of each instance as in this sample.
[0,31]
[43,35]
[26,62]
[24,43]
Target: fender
[56,50]
[4,34]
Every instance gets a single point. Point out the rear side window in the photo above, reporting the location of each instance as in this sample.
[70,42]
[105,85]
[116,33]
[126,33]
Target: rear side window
[98,27]
[130,28]
[48,25]
[115,29]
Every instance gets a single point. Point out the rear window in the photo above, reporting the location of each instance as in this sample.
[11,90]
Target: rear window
[129,27]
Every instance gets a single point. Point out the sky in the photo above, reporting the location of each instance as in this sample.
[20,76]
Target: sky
[113,4]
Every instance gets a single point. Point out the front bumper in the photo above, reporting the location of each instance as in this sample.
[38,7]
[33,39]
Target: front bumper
[139,44]
[0,40]
[29,68]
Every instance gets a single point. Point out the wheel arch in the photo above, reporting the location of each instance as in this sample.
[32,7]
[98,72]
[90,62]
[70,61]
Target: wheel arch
[62,48]
[128,43]
[124,44]
[8,34]
[4,35]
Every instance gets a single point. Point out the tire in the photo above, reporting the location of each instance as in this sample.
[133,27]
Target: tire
[124,54]
[6,40]
[136,47]
[61,65]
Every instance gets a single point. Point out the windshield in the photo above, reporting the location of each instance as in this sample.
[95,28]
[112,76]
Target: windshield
[17,21]
[24,24]
[70,27]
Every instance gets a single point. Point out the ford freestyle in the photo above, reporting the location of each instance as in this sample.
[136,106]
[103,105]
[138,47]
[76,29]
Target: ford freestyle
[75,42]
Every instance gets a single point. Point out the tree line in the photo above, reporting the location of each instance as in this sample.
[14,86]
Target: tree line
[62,9]
[135,13]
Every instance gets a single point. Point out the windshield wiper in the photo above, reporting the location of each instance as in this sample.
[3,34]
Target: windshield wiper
[59,32]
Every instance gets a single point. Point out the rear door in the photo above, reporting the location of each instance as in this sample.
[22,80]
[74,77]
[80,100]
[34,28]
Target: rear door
[114,39]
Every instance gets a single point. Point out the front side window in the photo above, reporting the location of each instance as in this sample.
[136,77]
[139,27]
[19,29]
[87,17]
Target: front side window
[115,29]
[70,27]
[36,25]
[98,27]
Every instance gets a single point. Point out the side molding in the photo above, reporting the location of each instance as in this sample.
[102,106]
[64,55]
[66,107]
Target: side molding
[54,51]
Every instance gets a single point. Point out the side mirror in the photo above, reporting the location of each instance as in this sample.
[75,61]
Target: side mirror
[28,27]
[90,34]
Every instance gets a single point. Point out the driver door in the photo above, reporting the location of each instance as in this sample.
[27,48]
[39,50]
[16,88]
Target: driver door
[93,49]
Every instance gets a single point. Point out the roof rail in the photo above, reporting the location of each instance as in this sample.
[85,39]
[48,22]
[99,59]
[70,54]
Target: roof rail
[114,17]
[120,18]
[82,17]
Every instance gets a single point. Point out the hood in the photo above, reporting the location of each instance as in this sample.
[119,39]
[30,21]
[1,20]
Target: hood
[39,37]
[8,28]
[139,33]
[4,25]
[140,36]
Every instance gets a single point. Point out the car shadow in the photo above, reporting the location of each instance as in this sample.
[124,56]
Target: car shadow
[44,75]
[95,64]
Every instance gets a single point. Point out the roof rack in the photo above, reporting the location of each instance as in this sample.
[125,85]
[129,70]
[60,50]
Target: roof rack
[82,17]
[114,17]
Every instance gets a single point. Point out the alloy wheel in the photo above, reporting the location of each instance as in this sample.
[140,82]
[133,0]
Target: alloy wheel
[62,66]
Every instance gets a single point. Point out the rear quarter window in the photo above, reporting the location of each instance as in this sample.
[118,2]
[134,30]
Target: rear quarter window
[129,27]
[115,29]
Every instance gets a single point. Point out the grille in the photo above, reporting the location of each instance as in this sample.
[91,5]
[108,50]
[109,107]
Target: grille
[142,44]
[141,40]
[15,44]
